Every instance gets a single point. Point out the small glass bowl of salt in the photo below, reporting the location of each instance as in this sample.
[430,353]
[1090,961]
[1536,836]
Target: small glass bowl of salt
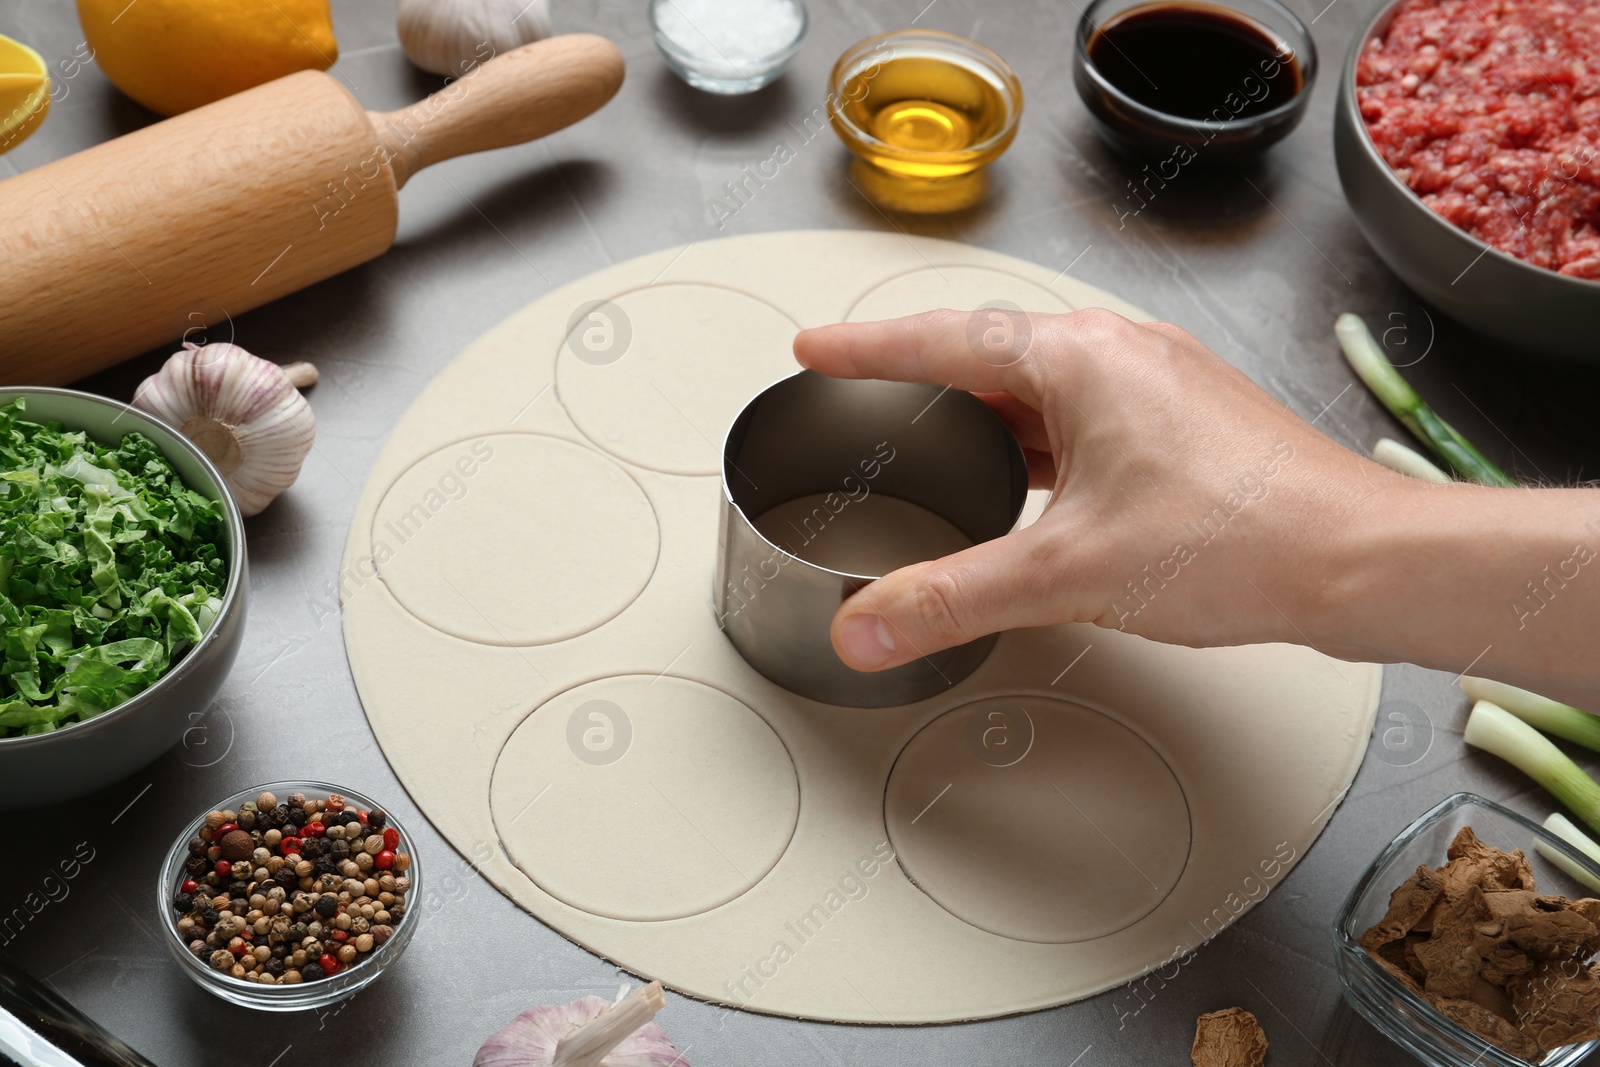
[728,46]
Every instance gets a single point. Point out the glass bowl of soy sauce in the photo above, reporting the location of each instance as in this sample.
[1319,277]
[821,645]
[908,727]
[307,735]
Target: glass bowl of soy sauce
[1188,81]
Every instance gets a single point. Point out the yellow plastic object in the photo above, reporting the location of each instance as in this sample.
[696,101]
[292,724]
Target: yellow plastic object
[175,55]
[24,92]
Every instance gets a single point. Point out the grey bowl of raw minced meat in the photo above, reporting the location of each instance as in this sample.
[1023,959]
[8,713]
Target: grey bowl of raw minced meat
[1473,170]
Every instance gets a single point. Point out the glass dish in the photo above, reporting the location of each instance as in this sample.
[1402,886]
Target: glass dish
[302,995]
[1397,1012]
[711,59]
[901,68]
[1142,132]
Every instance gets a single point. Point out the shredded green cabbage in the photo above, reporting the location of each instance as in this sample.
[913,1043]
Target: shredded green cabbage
[110,569]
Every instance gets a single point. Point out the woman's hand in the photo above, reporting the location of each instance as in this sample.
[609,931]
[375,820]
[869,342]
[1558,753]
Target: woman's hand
[1188,505]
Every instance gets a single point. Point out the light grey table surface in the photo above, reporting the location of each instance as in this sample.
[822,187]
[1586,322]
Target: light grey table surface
[1255,262]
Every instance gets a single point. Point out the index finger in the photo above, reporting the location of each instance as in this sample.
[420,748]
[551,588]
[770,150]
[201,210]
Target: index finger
[963,350]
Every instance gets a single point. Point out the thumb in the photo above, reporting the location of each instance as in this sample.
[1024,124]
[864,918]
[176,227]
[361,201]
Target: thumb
[927,607]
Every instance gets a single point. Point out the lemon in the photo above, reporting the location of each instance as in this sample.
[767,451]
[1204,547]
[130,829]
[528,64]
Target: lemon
[24,92]
[174,55]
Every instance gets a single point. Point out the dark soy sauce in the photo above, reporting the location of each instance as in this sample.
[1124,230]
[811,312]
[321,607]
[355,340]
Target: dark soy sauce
[1195,60]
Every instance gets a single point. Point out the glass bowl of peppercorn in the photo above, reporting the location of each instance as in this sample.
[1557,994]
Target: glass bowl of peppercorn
[288,896]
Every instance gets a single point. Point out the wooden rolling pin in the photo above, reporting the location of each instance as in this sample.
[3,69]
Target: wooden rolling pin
[127,245]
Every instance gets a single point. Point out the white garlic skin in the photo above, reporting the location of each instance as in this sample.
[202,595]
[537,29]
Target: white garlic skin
[530,1039]
[453,36]
[243,413]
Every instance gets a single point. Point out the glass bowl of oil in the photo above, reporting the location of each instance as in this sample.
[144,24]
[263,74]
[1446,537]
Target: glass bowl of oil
[1182,81]
[924,112]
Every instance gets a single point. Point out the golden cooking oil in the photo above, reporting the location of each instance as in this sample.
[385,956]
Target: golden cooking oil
[924,112]
[931,117]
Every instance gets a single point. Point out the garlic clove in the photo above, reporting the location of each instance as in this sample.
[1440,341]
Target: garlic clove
[243,412]
[302,375]
[453,36]
[589,1032]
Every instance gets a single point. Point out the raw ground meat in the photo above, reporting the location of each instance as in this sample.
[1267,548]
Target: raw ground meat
[1490,111]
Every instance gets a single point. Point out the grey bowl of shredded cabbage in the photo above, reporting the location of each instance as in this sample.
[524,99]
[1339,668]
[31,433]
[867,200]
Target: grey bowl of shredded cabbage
[122,591]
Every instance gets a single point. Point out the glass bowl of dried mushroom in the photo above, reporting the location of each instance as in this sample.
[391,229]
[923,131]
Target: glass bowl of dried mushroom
[289,896]
[1473,939]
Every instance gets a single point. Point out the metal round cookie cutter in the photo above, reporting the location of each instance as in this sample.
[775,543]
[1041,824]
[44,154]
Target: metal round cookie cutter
[843,440]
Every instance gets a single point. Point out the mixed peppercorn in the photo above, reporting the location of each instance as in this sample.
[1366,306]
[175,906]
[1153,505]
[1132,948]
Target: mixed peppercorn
[293,891]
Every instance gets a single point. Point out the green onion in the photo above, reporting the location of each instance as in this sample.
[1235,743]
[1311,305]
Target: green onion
[1408,461]
[1497,731]
[1396,394]
[1564,828]
[1553,717]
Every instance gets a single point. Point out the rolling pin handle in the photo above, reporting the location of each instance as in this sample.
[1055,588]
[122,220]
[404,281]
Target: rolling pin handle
[516,97]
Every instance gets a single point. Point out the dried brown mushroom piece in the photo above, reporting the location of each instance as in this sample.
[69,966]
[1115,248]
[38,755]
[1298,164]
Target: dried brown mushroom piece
[1492,1028]
[1228,1038]
[1487,994]
[1490,867]
[1399,959]
[1503,961]
[1487,950]
[1450,955]
[1409,904]
[1413,965]
[1544,927]
[1589,908]
[1558,1003]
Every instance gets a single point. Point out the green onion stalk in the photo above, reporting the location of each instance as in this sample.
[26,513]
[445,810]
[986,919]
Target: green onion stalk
[1396,394]
[1500,733]
[1408,461]
[1564,828]
[1551,716]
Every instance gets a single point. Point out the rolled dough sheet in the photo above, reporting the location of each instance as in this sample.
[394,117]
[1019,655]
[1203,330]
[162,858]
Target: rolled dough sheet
[527,608]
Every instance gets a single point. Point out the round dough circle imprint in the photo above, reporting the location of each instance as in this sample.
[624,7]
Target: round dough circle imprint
[506,497]
[1037,819]
[697,808]
[964,288]
[665,403]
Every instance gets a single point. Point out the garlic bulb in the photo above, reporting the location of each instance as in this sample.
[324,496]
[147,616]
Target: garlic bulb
[244,413]
[453,36]
[589,1032]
